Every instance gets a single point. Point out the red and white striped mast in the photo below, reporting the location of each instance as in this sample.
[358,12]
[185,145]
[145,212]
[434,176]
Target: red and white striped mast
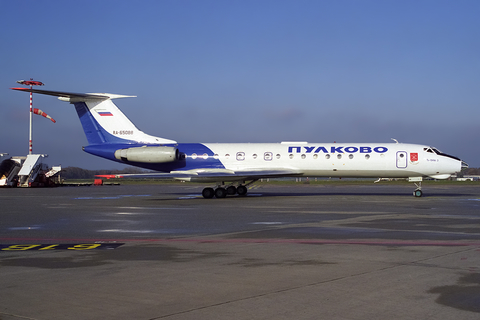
[30,83]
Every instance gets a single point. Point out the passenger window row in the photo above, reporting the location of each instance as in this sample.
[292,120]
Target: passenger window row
[268,156]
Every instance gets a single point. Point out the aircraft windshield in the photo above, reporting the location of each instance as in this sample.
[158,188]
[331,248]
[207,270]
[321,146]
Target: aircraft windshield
[436,151]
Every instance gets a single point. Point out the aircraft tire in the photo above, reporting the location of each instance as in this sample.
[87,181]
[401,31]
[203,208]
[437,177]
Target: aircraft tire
[208,193]
[242,190]
[220,193]
[418,193]
[231,190]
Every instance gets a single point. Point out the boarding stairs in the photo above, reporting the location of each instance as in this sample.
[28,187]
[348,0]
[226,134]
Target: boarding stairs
[53,171]
[9,169]
[30,170]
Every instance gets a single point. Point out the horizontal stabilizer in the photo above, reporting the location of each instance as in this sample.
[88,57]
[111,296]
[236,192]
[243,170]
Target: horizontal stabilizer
[75,97]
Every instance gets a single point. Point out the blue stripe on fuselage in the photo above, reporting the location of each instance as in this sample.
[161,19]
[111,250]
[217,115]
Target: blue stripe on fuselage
[107,151]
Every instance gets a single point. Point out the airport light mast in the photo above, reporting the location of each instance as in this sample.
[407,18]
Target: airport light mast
[30,83]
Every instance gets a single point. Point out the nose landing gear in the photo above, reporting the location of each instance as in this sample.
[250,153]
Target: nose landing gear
[418,192]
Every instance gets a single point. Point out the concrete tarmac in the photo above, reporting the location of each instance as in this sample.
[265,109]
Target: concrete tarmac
[298,251]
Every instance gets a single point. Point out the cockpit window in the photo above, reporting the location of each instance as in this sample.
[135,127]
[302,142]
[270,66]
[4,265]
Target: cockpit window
[436,151]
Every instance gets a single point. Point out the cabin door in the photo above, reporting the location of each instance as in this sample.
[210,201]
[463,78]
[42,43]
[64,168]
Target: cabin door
[401,159]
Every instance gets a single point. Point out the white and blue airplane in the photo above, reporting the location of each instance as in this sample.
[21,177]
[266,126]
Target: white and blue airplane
[233,166]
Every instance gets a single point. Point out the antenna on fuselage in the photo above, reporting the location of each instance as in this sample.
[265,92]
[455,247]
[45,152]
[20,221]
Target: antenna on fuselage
[394,140]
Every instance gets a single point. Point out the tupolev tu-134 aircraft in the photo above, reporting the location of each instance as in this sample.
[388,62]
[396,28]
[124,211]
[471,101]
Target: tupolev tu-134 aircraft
[233,166]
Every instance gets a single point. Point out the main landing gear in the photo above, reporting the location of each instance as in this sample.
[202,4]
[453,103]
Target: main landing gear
[221,191]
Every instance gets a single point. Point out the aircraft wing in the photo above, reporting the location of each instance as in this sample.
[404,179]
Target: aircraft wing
[212,175]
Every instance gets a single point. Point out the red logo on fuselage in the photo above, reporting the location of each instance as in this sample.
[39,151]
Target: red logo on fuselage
[413,157]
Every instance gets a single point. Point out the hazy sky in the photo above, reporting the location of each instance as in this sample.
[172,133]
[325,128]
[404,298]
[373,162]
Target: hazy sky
[246,71]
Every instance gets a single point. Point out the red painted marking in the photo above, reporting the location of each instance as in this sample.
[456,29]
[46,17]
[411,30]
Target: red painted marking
[413,156]
[31,83]
[105,114]
[109,176]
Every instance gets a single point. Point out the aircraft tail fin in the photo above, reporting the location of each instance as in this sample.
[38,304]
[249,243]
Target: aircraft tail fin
[101,119]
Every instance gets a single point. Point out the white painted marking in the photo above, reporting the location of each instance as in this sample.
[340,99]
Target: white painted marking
[126,231]
[197,196]
[24,228]
[267,223]
[155,208]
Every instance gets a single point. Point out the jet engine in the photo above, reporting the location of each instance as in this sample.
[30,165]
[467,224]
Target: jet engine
[148,154]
